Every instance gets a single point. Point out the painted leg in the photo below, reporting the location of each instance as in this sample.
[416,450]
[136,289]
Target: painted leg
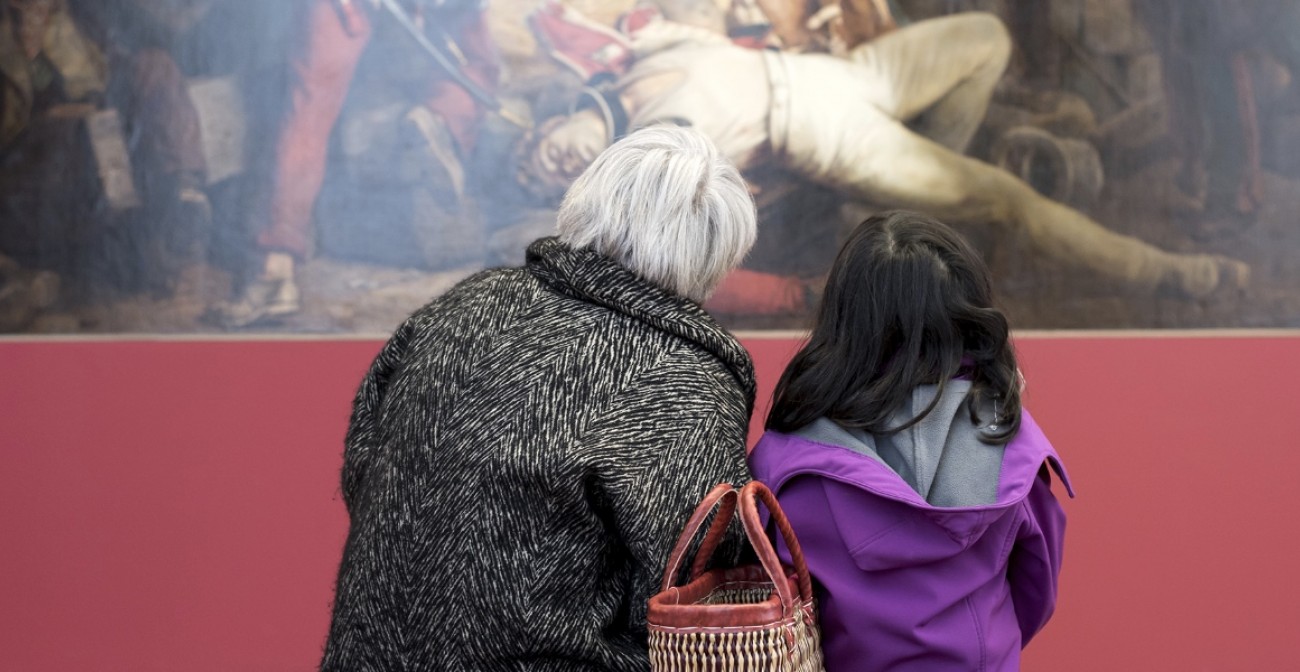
[322,71]
[938,74]
[890,165]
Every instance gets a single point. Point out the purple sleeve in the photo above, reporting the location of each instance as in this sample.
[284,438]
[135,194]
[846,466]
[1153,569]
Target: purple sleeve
[1035,566]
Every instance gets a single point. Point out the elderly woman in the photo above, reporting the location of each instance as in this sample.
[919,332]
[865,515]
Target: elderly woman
[524,450]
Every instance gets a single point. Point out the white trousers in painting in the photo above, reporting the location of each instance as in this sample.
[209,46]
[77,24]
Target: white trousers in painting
[887,124]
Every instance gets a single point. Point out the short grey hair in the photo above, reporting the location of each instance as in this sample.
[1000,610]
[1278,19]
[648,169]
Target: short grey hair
[667,205]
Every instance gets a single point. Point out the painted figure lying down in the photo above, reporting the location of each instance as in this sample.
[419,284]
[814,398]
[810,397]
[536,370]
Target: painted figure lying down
[886,123]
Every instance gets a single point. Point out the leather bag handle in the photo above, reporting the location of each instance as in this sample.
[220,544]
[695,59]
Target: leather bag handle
[755,490]
[721,496]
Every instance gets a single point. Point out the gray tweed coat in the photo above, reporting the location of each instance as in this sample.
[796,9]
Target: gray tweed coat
[521,458]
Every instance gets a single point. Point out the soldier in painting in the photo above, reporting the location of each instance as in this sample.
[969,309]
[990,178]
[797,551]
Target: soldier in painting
[336,34]
[885,124]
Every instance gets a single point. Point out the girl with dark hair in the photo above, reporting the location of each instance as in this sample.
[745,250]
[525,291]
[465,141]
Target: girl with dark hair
[918,486]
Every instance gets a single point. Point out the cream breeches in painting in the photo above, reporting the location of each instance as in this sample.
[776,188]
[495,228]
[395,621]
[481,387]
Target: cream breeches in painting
[889,122]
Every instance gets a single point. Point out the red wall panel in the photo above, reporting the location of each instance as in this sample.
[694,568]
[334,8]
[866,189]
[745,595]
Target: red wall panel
[174,505]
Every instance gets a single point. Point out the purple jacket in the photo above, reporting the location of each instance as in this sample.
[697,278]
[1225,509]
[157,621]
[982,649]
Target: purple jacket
[905,584]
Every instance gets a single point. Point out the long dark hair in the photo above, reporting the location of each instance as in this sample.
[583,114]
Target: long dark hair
[908,302]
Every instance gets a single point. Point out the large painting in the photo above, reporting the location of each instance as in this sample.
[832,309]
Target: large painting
[328,166]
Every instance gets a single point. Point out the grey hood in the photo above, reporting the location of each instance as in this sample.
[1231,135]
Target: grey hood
[940,457]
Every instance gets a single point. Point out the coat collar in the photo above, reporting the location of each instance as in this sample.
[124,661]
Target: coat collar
[778,458]
[588,276]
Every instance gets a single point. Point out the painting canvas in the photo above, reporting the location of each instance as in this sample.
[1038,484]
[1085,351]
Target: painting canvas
[328,166]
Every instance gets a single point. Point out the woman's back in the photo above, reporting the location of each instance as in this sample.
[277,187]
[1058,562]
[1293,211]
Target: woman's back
[519,458]
[904,581]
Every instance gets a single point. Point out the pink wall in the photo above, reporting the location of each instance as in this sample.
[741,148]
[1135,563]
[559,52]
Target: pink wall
[174,505]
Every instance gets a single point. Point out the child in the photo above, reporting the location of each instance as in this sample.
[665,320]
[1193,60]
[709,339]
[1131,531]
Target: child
[918,487]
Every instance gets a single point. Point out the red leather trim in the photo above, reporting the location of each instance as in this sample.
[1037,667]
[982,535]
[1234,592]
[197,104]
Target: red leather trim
[680,607]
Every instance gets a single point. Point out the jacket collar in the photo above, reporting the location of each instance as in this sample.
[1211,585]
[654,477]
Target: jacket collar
[586,275]
[778,458]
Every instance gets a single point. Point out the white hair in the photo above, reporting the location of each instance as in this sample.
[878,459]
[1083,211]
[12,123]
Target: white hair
[664,203]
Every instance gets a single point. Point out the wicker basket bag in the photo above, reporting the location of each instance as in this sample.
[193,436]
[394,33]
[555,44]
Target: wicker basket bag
[756,618]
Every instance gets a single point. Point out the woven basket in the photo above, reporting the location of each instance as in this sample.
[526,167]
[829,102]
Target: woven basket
[757,618]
